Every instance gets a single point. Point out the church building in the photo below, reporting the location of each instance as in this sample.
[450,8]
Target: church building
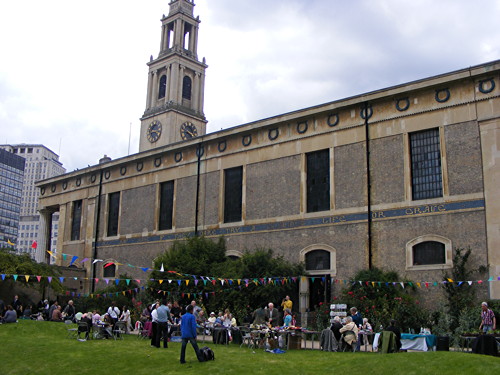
[395,178]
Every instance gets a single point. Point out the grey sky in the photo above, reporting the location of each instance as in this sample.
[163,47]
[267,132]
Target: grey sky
[73,74]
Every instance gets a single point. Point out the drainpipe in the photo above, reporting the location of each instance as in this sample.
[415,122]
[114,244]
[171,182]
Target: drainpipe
[199,153]
[368,183]
[96,231]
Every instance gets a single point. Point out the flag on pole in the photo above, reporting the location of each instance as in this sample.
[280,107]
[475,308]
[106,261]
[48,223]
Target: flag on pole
[10,243]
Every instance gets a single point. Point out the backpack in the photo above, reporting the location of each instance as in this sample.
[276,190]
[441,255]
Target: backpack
[207,353]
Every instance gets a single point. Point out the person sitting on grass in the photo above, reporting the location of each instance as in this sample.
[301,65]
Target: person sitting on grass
[10,315]
[57,315]
[188,333]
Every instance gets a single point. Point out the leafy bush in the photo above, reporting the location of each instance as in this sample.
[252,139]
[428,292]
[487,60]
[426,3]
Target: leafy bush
[378,299]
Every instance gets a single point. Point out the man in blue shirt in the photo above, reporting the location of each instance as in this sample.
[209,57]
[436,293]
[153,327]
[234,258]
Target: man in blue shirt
[163,313]
[358,320]
[188,333]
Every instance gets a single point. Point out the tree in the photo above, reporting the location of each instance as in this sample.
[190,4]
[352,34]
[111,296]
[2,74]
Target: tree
[379,300]
[13,264]
[199,256]
[463,296]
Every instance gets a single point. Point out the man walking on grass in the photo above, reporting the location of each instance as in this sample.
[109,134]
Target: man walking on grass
[188,333]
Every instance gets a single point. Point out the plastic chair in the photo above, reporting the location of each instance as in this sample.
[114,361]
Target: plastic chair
[119,330]
[83,329]
[72,330]
[246,336]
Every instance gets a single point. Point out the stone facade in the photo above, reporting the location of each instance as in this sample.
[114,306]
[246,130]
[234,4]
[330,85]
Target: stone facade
[371,129]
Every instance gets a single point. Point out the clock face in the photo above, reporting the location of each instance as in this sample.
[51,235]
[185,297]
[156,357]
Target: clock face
[154,131]
[188,131]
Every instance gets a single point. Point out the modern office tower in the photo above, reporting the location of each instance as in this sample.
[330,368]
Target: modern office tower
[11,186]
[40,163]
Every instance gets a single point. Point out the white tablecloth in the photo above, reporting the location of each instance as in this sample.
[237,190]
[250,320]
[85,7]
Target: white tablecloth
[415,344]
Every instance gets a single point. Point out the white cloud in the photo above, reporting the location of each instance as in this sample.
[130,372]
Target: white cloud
[74,74]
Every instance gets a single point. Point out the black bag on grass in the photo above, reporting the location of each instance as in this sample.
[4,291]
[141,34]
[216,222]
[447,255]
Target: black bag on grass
[208,353]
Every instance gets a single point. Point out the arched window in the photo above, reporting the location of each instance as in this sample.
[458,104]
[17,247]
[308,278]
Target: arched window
[186,88]
[163,87]
[109,271]
[234,254]
[318,260]
[428,252]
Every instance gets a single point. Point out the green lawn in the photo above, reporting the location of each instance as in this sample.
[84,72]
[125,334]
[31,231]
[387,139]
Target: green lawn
[31,347]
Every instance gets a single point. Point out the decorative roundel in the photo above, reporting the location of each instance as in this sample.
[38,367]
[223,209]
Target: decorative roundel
[332,120]
[487,90]
[222,146]
[123,170]
[93,178]
[442,95]
[246,140]
[200,150]
[42,191]
[153,132]
[178,156]
[402,104]
[65,185]
[139,166]
[273,134]
[363,114]
[107,174]
[302,127]
[78,181]
[157,162]
[53,188]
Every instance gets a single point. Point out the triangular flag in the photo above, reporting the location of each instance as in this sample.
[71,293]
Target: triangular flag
[27,277]
[73,260]
[160,281]
[145,269]
[50,279]
[3,276]
[128,281]
[61,279]
[84,260]
[15,277]
[39,278]
[162,269]
[117,281]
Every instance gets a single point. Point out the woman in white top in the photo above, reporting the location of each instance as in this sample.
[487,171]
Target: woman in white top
[126,318]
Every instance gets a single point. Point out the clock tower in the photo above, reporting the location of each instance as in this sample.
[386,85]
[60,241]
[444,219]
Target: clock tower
[176,82]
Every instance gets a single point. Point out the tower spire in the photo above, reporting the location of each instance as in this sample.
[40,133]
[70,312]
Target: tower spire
[176,82]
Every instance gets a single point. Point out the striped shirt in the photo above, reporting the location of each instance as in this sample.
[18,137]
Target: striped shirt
[487,317]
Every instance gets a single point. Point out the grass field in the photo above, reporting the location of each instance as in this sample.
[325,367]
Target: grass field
[31,347]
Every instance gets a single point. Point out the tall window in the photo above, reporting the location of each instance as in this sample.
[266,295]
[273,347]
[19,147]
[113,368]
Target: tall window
[76,220]
[113,213]
[163,87]
[186,88]
[429,252]
[426,165]
[318,181]
[233,194]
[166,205]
